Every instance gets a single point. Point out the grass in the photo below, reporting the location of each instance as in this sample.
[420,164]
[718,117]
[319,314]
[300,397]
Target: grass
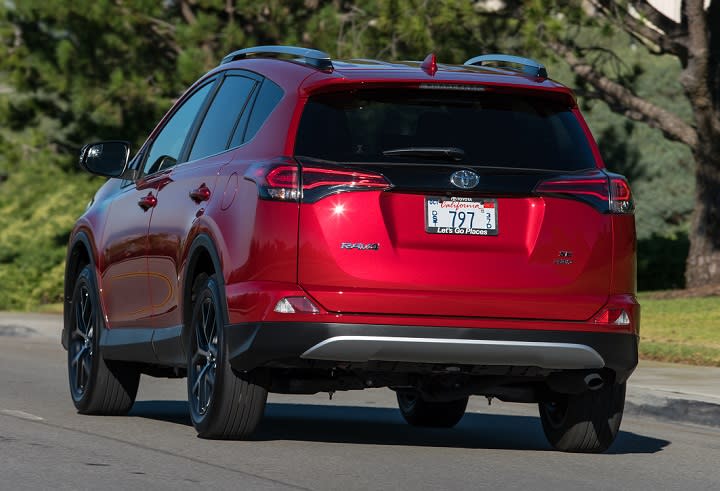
[680,330]
[50,308]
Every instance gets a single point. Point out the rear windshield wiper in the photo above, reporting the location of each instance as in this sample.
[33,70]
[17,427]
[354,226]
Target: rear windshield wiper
[427,152]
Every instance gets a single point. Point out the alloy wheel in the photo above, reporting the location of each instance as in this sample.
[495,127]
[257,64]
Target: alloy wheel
[81,349]
[204,360]
[556,411]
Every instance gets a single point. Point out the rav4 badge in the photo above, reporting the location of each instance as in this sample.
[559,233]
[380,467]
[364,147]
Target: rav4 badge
[360,246]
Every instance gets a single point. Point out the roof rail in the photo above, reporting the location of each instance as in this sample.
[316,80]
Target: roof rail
[312,57]
[529,67]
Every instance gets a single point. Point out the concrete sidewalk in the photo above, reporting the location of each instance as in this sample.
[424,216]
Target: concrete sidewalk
[680,393]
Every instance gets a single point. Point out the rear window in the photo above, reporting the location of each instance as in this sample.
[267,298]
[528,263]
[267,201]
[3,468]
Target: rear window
[493,130]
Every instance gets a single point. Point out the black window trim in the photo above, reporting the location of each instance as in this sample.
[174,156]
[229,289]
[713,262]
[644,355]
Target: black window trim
[135,163]
[195,128]
[252,102]
[249,104]
[200,114]
[216,80]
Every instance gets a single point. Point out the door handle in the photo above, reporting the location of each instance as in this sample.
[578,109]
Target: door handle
[200,194]
[147,202]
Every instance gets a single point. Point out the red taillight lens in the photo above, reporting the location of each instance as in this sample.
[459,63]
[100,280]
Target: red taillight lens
[606,193]
[595,188]
[621,200]
[618,317]
[315,177]
[276,179]
[319,182]
[283,176]
[282,181]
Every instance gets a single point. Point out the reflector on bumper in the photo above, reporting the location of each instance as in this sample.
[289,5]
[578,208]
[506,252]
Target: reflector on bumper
[295,305]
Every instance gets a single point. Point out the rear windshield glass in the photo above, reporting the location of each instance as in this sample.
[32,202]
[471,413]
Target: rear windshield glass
[492,130]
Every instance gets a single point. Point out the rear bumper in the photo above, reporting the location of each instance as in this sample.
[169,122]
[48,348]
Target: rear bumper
[299,345]
[457,351]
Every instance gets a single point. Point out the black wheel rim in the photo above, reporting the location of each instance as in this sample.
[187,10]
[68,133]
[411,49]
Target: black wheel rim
[556,411]
[407,401]
[81,349]
[203,366]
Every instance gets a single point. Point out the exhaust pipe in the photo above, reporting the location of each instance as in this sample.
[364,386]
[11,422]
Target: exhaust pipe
[594,381]
[574,383]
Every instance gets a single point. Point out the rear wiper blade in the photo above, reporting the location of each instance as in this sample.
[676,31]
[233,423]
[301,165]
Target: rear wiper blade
[427,152]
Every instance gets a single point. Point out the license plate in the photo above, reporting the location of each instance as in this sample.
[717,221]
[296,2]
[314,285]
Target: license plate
[461,216]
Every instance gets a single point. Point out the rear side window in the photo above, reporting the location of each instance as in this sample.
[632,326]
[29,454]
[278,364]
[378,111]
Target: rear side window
[493,130]
[268,97]
[222,116]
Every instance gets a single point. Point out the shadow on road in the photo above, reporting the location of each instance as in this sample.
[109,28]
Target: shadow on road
[384,426]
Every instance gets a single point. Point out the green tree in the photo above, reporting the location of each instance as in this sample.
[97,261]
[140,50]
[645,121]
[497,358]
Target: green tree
[73,71]
[694,42]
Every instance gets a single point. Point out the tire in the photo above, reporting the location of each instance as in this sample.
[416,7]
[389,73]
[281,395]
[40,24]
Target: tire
[430,414]
[97,386]
[223,404]
[586,422]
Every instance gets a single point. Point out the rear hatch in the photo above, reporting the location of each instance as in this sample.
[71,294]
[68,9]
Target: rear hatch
[451,203]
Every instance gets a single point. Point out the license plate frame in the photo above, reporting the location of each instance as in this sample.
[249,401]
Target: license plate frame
[441,222]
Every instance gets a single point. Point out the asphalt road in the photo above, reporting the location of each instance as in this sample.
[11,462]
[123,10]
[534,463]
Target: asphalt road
[356,441]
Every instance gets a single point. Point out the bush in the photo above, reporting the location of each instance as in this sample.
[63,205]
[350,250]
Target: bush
[661,262]
[41,205]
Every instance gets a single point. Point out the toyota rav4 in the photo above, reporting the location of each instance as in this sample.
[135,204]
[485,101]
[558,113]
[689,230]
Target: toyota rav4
[297,224]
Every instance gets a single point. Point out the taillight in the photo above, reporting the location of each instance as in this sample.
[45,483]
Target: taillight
[288,182]
[318,182]
[282,183]
[609,193]
[618,317]
[621,200]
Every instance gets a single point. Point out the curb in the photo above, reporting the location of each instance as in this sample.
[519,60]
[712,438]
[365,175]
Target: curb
[672,407]
[29,325]
[651,392]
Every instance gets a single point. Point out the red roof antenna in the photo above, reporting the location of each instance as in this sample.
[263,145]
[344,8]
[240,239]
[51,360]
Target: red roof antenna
[429,64]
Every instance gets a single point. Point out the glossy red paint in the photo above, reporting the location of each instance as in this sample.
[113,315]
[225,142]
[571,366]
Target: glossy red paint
[259,239]
[513,274]
[250,302]
[177,219]
[271,249]
[122,257]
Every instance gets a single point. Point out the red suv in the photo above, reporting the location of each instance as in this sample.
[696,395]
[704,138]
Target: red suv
[297,224]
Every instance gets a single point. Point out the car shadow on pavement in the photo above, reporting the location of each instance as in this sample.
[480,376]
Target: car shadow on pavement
[385,426]
[168,411]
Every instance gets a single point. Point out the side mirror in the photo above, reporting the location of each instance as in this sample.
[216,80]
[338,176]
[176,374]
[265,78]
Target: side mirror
[107,159]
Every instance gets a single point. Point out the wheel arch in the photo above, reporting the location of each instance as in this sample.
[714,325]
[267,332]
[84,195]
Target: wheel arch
[203,257]
[80,254]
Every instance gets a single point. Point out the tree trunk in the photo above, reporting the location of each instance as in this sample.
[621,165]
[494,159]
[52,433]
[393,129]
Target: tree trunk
[701,83]
[703,263]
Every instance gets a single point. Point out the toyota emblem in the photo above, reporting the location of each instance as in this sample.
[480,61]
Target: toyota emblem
[465,179]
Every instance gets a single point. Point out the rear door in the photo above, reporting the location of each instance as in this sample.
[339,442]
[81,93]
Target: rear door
[189,189]
[436,242]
